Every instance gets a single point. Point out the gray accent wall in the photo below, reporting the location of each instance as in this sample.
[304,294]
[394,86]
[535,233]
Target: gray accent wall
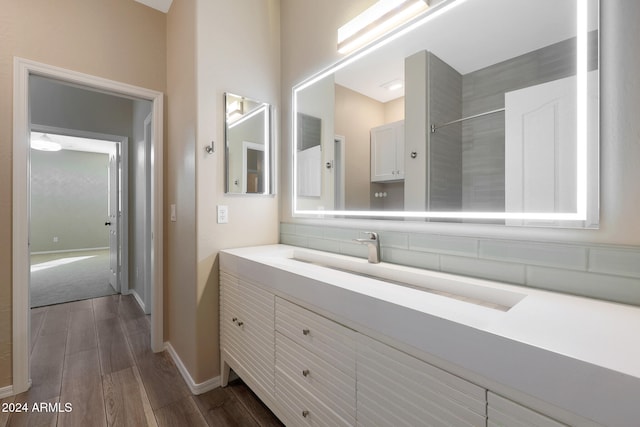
[69,192]
[445,145]
[483,138]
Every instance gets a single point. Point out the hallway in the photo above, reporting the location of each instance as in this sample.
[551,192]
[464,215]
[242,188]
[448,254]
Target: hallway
[95,355]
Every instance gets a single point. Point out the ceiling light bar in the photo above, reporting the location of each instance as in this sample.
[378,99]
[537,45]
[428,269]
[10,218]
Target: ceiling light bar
[382,17]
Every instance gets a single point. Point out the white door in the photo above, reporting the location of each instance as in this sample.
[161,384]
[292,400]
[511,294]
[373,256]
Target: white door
[113,220]
[541,149]
[383,153]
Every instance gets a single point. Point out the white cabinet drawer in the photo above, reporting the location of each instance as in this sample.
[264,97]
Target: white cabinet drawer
[400,390]
[329,340]
[504,412]
[300,407]
[328,384]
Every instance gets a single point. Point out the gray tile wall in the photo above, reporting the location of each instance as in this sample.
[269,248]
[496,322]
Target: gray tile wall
[606,272]
[483,138]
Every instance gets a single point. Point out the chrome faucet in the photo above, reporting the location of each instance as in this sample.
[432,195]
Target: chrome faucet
[373,242]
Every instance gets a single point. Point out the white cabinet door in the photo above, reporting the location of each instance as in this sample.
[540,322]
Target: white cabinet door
[396,389]
[503,412]
[247,333]
[387,152]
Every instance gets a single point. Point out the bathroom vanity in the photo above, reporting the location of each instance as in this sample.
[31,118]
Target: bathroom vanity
[326,339]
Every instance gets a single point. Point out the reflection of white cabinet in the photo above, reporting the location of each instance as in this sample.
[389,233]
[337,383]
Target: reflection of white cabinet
[387,152]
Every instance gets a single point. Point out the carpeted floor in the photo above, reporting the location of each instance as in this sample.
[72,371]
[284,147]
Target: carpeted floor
[70,276]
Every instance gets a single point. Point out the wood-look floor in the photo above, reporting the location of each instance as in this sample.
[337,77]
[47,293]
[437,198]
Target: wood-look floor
[95,354]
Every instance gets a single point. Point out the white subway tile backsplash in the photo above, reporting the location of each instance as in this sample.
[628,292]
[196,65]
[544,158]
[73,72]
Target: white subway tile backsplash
[612,288]
[444,244]
[286,228]
[340,233]
[426,260]
[293,240]
[324,245]
[551,255]
[493,270]
[394,240]
[309,230]
[621,262]
[597,271]
[354,249]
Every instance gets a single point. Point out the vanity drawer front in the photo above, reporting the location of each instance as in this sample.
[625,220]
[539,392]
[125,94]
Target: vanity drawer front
[328,384]
[397,389]
[504,412]
[300,407]
[248,328]
[328,340]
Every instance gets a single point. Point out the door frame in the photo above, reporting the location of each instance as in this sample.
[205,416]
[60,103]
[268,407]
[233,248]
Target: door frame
[123,144]
[22,70]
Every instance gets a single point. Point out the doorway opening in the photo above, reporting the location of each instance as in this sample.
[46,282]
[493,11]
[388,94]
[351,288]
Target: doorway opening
[79,214]
[151,154]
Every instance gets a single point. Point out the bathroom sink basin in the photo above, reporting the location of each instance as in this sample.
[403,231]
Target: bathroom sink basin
[469,290]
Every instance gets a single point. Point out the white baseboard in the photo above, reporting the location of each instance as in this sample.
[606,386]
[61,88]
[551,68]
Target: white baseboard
[196,389]
[138,299]
[69,250]
[6,391]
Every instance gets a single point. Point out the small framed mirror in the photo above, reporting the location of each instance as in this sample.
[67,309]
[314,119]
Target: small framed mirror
[248,146]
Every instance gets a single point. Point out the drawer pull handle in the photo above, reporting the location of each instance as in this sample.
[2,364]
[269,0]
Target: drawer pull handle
[234,320]
[240,323]
[305,331]
[305,373]
[305,413]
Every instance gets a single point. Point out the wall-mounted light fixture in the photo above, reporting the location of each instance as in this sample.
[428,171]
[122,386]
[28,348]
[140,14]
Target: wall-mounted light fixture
[45,143]
[377,20]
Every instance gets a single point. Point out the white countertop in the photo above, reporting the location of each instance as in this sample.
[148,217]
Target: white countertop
[580,354]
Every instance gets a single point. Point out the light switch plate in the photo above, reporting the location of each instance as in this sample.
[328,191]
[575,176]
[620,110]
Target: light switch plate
[223,214]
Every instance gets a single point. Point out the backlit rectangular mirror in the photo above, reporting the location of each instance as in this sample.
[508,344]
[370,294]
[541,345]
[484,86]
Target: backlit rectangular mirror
[248,146]
[476,111]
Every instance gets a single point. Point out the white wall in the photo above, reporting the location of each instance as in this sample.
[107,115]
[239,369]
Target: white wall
[214,46]
[247,64]
[69,195]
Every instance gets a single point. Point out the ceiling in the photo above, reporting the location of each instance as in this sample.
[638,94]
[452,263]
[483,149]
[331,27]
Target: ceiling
[161,5]
[470,36]
[80,144]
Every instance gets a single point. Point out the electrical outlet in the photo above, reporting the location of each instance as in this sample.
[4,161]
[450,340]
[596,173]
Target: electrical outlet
[55,239]
[223,214]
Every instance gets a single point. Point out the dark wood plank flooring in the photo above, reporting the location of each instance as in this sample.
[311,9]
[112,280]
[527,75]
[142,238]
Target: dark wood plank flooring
[96,355]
